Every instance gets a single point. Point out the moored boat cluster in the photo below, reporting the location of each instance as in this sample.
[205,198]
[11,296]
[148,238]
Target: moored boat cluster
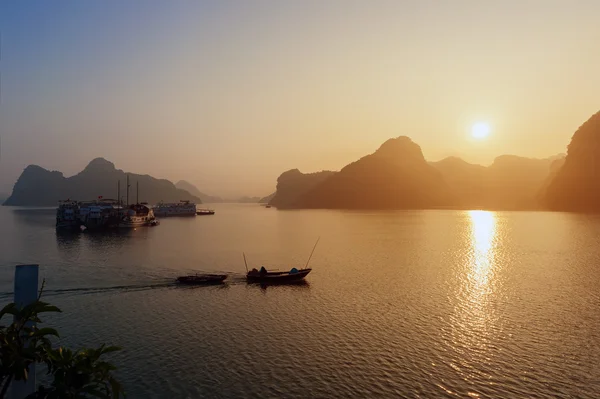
[112,214]
[102,214]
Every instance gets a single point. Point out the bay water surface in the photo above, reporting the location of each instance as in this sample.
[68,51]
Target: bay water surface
[399,304]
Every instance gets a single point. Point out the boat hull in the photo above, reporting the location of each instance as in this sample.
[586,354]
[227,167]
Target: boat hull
[174,214]
[133,225]
[278,277]
[181,208]
[205,212]
[68,226]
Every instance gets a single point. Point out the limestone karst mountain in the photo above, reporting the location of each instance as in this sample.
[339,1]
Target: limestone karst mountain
[40,187]
[576,185]
[396,176]
[293,184]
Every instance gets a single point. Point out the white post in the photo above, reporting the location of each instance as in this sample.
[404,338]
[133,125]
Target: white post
[26,292]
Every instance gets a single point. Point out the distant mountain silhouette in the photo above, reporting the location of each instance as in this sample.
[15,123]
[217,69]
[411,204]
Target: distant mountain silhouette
[190,188]
[39,187]
[396,176]
[247,200]
[466,180]
[576,185]
[293,184]
[267,199]
[511,182]
[555,167]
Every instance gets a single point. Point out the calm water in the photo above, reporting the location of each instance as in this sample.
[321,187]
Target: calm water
[399,304]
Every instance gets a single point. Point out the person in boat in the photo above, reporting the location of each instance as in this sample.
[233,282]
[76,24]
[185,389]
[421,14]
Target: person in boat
[263,271]
[294,270]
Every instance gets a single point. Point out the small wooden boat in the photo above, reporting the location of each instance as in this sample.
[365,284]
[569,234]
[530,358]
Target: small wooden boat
[267,206]
[202,279]
[202,212]
[265,277]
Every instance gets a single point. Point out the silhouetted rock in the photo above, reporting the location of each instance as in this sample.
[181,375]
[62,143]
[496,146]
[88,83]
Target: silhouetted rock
[190,188]
[39,187]
[576,185]
[396,176]
[293,184]
[99,165]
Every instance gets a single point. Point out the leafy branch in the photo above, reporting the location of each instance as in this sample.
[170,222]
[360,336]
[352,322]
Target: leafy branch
[76,374]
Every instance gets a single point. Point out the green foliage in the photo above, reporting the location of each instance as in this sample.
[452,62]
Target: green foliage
[80,374]
[76,374]
[22,343]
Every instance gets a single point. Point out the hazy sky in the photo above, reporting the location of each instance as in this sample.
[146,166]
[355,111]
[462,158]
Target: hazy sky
[229,94]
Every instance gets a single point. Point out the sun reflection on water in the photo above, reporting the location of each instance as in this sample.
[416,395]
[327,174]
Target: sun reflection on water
[474,321]
[483,232]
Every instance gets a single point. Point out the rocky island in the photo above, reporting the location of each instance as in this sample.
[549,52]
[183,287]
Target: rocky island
[575,185]
[40,187]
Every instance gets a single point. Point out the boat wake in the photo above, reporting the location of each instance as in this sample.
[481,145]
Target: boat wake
[233,278]
[95,290]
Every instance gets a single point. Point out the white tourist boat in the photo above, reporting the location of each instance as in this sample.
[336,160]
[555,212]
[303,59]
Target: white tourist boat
[138,215]
[181,208]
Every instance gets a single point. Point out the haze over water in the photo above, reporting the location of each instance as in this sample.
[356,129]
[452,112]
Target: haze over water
[229,94]
[399,304]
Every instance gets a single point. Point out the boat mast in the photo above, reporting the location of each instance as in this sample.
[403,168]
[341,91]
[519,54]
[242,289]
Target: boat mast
[245,263]
[312,252]
[119,203]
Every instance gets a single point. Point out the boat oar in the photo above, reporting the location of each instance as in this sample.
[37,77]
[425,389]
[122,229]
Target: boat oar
[311,254]
[245,263]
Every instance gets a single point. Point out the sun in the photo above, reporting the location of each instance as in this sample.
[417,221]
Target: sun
[480,130]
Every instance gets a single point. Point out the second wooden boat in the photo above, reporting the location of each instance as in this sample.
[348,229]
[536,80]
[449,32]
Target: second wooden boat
[202,212]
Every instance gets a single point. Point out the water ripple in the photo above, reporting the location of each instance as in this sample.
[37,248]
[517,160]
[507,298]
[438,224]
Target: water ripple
[399,304]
